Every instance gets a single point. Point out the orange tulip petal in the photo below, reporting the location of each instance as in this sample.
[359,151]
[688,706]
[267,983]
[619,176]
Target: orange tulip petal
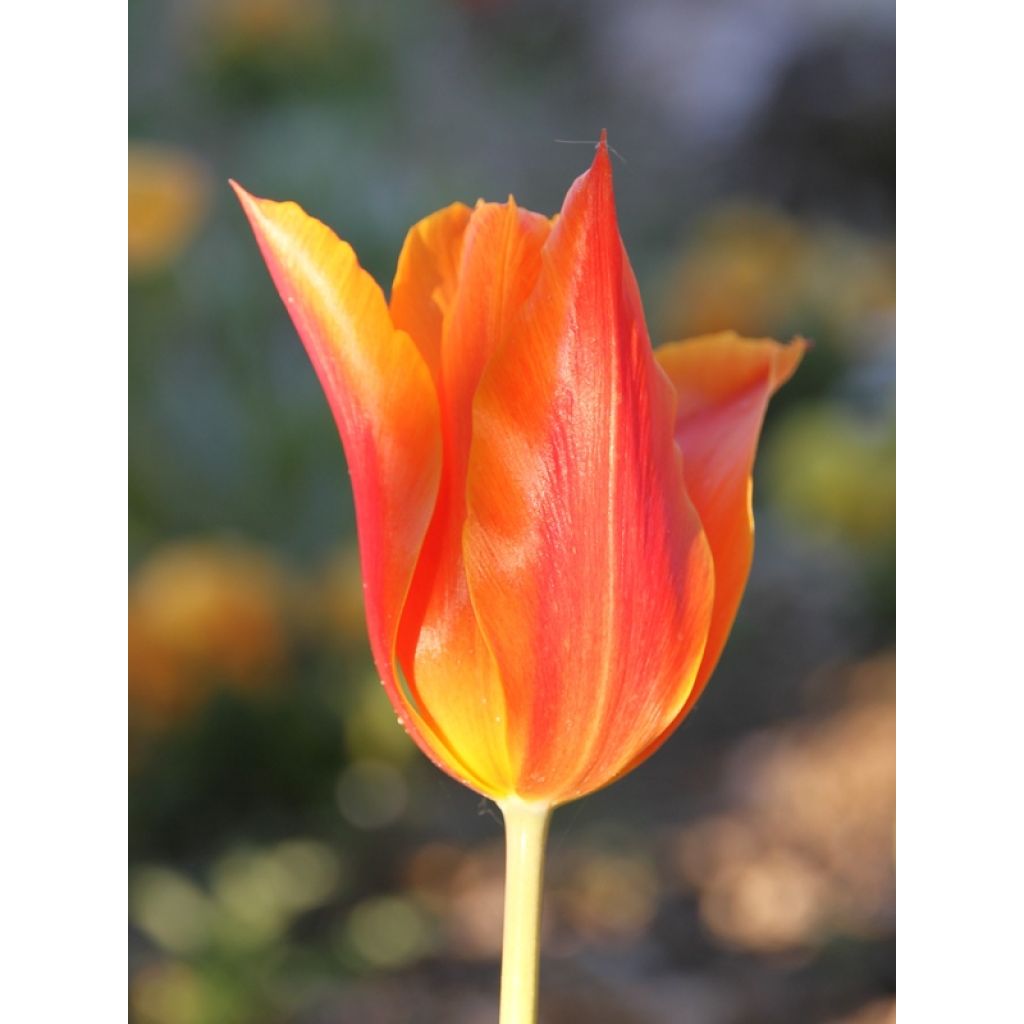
[441,648]
[385,405]
[587,565]
[723,383]
[426,278]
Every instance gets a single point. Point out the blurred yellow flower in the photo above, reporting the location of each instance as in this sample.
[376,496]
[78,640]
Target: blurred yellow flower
[835,474]
[243,24]
[202,613]
[757,271]
[168,196]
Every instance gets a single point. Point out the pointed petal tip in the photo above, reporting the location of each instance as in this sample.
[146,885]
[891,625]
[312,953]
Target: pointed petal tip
[790,355]
[799,342]
[596,181]
[262,210]
[243,195]
[253,206]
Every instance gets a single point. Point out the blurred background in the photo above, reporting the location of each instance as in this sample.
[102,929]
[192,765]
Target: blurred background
[293,857]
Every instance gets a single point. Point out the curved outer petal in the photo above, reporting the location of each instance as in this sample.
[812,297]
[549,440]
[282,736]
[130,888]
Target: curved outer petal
[723,383]
[587,564]
[450,669]
[380,391]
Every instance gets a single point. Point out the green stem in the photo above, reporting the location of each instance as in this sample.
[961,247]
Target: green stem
[526,829]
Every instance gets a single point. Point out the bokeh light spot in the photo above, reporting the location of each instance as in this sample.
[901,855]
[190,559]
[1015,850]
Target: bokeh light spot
[389,932]
[173,911]
[371,794]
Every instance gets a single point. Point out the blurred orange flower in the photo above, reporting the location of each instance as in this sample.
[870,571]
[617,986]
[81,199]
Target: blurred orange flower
[262,23]
[554,522]
[340,598]
[753,268]
[168,194]
[202,613]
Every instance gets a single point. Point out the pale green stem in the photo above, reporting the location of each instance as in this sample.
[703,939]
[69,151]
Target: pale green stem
[526,829]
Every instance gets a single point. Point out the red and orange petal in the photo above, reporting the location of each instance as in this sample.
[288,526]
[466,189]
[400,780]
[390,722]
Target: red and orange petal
[384,402]
[588,569]
[723,384]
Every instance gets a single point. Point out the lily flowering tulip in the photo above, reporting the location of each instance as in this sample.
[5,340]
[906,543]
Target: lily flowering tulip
[554,521]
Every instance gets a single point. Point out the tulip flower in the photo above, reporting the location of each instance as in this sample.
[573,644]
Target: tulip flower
[554,521]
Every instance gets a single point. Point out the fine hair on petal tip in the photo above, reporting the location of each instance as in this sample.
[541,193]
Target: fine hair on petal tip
[592,142]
